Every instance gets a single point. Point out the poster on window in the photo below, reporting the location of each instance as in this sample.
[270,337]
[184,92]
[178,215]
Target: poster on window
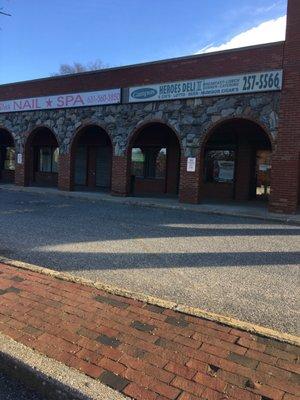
[223,171]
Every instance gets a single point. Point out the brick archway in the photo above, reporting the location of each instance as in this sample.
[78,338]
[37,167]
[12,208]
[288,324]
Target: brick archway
[41,157]
[209,131]
[235,161]
[91,153]
[153,156]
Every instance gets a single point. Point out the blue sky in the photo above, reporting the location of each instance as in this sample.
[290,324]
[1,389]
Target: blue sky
[42,34]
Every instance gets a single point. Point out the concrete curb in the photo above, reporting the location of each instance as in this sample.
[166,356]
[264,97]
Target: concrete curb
[131,201]
[50,378]
[194,311]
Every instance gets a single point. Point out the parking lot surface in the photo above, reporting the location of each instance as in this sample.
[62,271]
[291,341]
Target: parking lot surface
[244,268]
[11,389]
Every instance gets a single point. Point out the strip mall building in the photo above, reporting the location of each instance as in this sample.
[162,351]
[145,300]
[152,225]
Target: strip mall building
[221,126]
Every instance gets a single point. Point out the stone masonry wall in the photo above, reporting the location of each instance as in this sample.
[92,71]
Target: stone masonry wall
[190,119]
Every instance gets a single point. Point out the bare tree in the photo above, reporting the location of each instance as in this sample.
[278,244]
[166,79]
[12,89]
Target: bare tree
[77,67]
[4,13]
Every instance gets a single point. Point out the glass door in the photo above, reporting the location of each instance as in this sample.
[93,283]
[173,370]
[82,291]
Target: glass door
[263,173]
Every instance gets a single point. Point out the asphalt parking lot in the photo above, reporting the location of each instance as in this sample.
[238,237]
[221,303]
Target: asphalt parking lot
[11,389]
[244,268]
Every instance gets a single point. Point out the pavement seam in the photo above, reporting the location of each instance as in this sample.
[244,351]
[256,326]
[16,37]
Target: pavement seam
[193,311]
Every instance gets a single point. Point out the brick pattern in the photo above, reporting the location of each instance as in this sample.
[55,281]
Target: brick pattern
[285,185]
[120,185]
[20,175]
[257,58]
[64,172]
[143,351]
[190,182]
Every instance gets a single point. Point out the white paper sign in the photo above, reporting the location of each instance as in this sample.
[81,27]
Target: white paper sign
[191,164]
[71,100]
[19,158]
[225,85]
[224,171]
[264,167]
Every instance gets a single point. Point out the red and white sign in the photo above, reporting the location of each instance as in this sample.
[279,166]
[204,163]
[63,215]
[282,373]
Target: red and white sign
[112,96]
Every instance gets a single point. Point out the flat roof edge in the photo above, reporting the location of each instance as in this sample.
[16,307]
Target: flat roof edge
[166,60]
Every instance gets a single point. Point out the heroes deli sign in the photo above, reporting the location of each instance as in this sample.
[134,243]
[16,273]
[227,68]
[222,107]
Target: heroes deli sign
[102,97]
[235,84]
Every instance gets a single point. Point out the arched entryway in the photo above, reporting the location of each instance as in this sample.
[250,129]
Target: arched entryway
[41,158]
[7,157]
[154,152]
[236,162]
[91,157]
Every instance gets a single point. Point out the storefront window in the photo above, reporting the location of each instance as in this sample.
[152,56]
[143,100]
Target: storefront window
[161,163]
[9,161]
[137,162]
[263,173]
[55,155]
[48,159]
[150,168]
[219,166]
[149,162]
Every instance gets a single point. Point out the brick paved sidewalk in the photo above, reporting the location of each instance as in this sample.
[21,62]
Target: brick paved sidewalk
[141,350]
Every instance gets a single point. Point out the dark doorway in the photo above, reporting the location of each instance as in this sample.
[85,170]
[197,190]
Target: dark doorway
[237,162]
[7,157]
[155,161]
[42,153]
[92,159]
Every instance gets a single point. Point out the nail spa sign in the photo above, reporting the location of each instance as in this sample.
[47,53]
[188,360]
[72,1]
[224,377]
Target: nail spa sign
[72,100]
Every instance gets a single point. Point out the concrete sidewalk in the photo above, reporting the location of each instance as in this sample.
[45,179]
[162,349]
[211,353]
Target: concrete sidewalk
[250,209]
[144,351]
